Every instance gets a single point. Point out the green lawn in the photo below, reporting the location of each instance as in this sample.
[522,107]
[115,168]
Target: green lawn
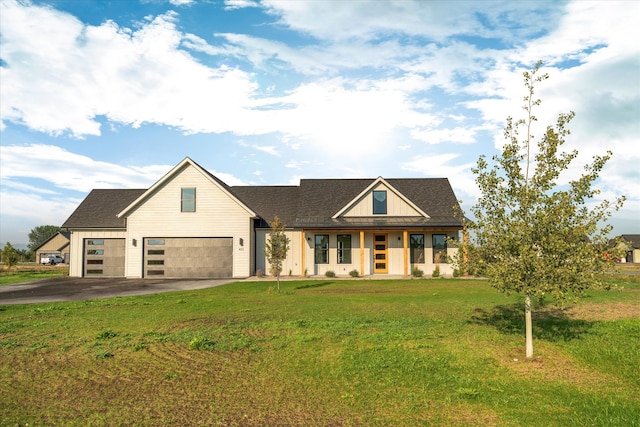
[31,272]
[322,353]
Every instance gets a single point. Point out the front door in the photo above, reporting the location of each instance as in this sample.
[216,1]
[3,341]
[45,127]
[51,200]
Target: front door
[380,254]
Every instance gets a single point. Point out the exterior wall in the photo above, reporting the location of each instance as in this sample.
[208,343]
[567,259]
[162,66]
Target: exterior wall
[216,215]
[76,258]
[395,253]
[396,206]
[292,263]
[52,247]
[636,255]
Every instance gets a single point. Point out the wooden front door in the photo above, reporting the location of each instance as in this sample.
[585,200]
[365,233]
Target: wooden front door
[380,254]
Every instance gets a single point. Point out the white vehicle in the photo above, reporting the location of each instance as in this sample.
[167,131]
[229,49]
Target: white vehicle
[51,259]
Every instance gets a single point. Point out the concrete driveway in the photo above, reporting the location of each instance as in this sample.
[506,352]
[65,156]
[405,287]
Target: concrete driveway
[74,289]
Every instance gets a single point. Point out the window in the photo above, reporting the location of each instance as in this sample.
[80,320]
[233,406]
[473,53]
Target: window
[379,202]
[155,262]
[155,242]
[95,242]
[188,200]
[322,249]
[155,273]
[155,252]
[416,242]
[90,271]
[344,248]
[94,261]
[95,251]
[439,248]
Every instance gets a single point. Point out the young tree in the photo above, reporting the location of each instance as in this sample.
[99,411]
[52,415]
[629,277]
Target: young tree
[40,234]
[276,248]
[531,234]
[9,255]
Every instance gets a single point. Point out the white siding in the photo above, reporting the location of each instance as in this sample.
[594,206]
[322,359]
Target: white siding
[77,247]
[396,206]
[216,215]
[294,255]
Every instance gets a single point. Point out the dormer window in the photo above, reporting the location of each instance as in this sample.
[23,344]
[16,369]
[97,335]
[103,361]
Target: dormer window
[188,200]
[379,202]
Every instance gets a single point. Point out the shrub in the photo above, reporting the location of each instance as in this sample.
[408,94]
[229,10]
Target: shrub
[436,271]
[201,343]
[330,273]
[456,272]
[259,273]
[306,274]
[416,272]
[354,273]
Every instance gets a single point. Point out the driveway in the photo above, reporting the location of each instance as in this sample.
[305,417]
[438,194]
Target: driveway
[74,289]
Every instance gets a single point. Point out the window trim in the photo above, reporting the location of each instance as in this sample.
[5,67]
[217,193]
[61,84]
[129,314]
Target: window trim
[320,249]
[184,200]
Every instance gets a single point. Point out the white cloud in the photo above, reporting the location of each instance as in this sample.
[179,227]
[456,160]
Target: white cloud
[449,166]
[69,171]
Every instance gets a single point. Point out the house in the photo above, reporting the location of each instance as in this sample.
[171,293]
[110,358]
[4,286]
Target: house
[192,224]
[57,244]
[633,255]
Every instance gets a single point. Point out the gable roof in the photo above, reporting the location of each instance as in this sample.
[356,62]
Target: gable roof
[633,238]
[315,203]
[379,180]
[101,207]
[321,199]
[64,234]
[173,172]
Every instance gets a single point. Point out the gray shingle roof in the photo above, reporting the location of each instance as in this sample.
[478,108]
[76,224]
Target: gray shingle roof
[269,201]
[101,207]
[321,199]
[311,205]
[633,238]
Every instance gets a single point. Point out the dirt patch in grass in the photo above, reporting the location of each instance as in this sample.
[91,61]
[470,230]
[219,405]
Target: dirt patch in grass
[595,312]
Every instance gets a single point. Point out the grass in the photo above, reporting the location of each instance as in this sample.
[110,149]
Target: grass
[329,353]
[29,272]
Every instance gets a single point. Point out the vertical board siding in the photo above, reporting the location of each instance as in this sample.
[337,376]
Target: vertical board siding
[395,205]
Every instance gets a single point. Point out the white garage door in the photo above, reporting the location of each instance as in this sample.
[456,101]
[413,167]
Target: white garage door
[190,257]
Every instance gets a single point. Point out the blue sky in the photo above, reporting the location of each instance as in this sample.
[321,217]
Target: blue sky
[112,94]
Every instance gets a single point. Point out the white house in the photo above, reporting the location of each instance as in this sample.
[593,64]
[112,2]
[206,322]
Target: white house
[191,224]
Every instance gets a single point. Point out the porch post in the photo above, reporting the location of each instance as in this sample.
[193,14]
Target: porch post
[361,253]
[406,253]
[303,243]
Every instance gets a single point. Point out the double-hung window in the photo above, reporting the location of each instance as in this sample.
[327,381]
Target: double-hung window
[416,242]
[344,248]
[188,200]
[322,249]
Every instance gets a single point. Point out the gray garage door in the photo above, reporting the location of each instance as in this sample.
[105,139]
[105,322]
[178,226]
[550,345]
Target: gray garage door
[104,257]
[191,257]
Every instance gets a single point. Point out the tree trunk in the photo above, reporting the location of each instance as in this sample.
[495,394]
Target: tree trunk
[278,278]
[528,327]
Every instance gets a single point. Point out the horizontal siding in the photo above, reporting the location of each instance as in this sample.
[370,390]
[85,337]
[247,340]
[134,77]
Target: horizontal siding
[396,206]
[292,264]
[77,248]
[216,215]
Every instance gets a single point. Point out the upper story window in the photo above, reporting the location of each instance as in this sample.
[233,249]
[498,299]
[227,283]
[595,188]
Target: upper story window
[380,202]
[188,200]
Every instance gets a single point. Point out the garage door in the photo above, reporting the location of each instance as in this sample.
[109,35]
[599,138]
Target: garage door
[104,257]
[192,257]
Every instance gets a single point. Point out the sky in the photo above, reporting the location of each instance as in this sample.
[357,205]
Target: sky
[114,93]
